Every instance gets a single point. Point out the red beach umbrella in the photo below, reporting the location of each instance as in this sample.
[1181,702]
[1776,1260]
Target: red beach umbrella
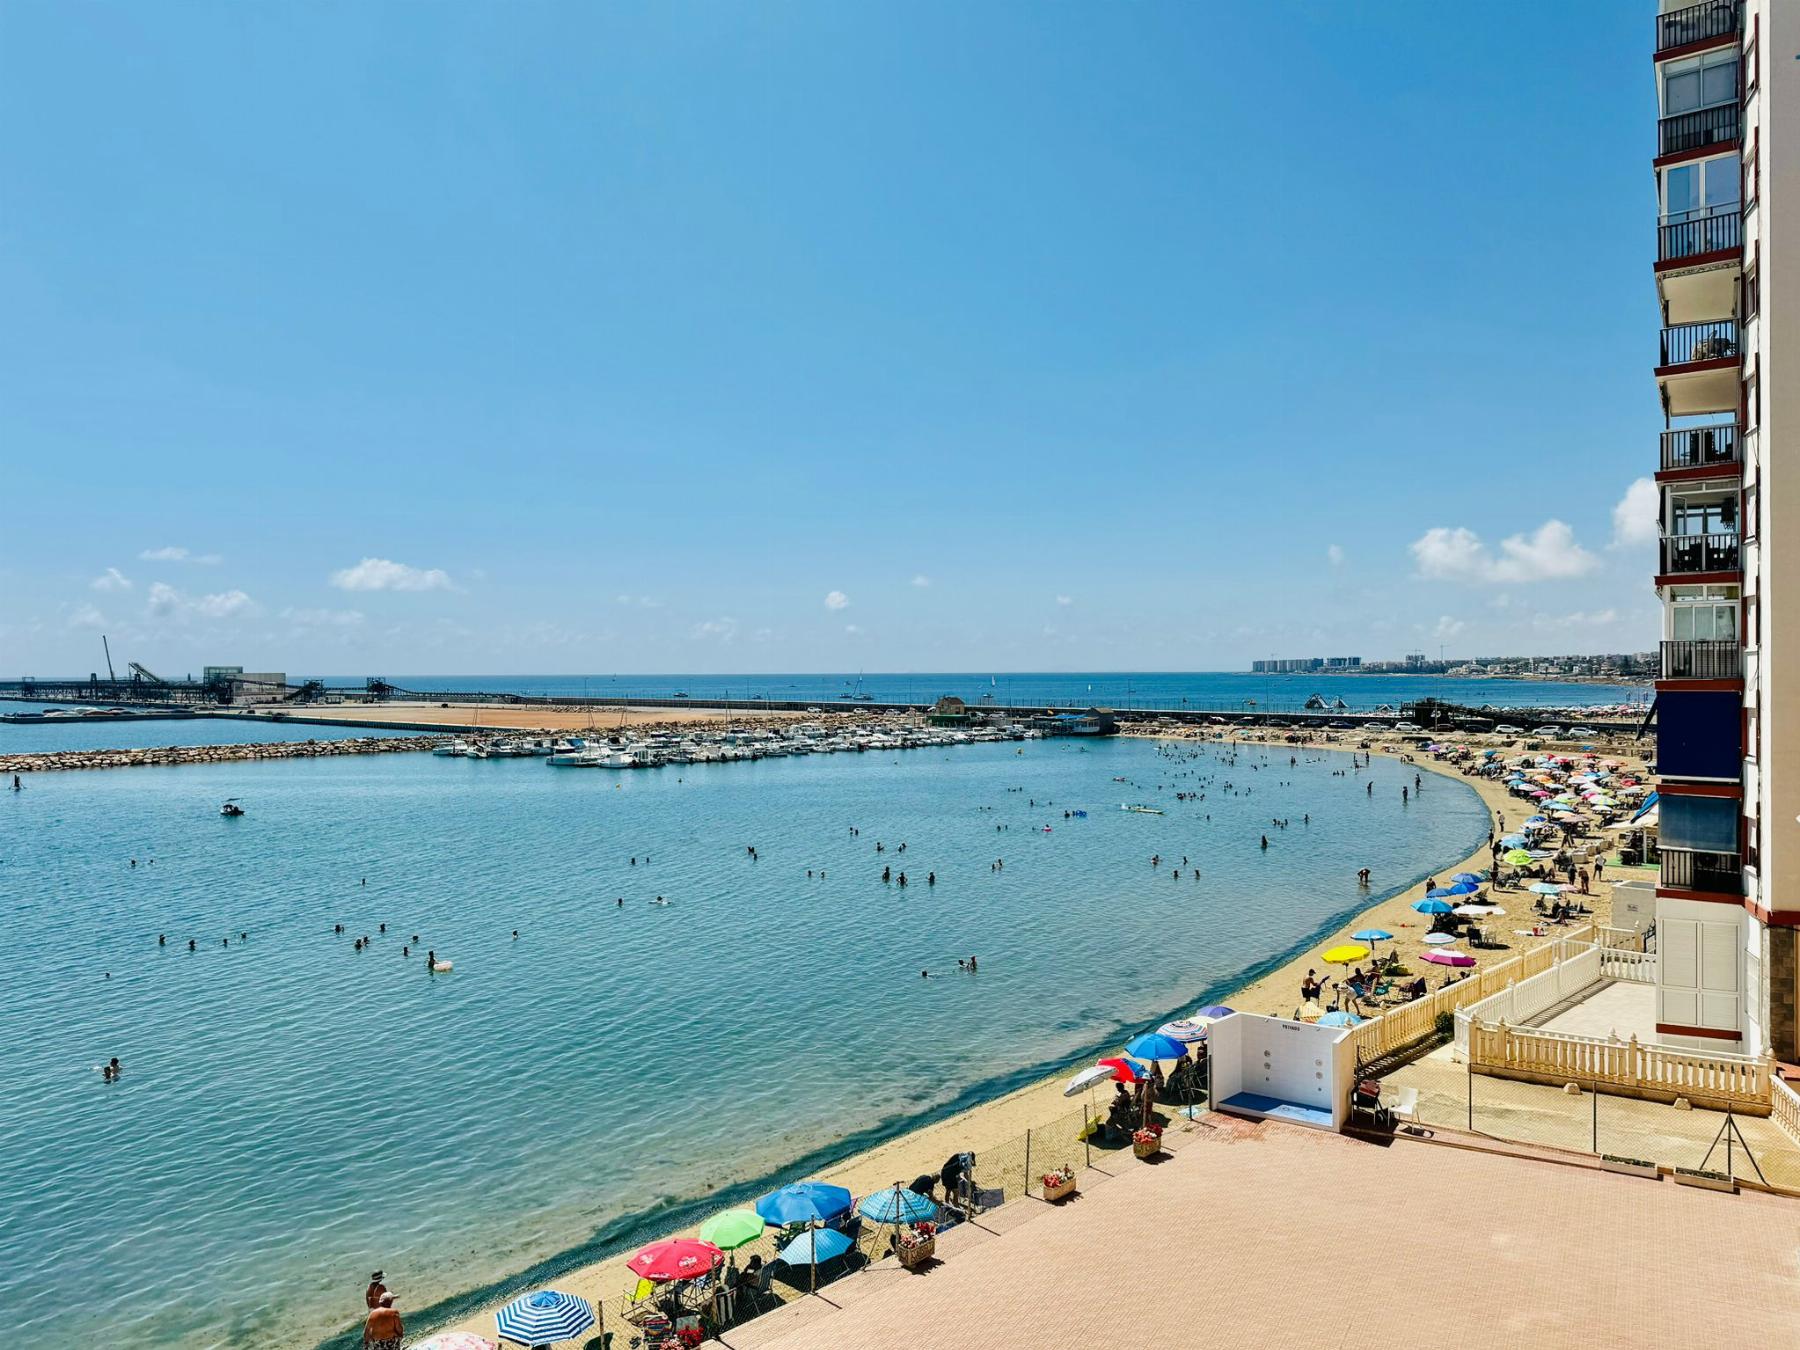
[676,1259]
[1125,1070]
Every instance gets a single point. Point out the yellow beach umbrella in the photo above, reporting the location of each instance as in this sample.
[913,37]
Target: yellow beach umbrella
[1343,956]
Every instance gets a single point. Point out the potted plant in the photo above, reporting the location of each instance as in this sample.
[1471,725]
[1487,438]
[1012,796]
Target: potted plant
[1147,1142]
[1706,1180]
[915,1244]
[1627,1167]
[1059,1185]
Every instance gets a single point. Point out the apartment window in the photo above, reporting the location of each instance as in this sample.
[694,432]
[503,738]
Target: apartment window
[1753,396]
[1704,188]
[1700,82]
[1703,613]
[1703,513]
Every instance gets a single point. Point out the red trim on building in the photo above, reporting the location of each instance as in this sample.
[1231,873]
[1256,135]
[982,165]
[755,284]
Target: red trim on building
[1696,48]
[1696,367]
[1734,469]
[1699,578]
[1699,260]
[1699,686]
[1711,1033]
[1702,897]
[1733,147]
[1681,789]
[1773,918]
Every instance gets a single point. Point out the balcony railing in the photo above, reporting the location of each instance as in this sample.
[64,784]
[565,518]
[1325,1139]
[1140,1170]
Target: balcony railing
[1701,447]
[1697,23]
[1685,342]
[1715,233]
[1702,659]
[1722,873]
[1692,554]
[1718,125]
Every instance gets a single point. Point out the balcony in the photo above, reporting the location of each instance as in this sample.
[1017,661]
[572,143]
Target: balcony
[1719,125]
[1689,343]
[1699,554]
[1721,873]
[1701,447]
[1708,659]
[1718,232]
[1698,369]
[1698,23]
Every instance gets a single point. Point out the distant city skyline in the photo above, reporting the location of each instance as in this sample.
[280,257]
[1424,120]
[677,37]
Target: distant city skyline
[820,338]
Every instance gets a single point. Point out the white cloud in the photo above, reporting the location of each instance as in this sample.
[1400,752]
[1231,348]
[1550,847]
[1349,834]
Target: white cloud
[175,553]
[1335,555]
[641,601]
[1549,553]
[112,580]
[1065,599]
[852,629]
[323,618]
[1448,627]
[716,630]
[1599,618]
[837,600]
[1634,518]
[86,616]
[382,574]
[166,602]
[921,581]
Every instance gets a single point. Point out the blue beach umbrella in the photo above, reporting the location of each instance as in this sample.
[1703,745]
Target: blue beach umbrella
[1439,892]
[1432,906]
[804,1202]
[1372,935]
[1337,1018]
[1214,1011]
[1464,888]
[1465,876]
[814,1246]
[1513,840]
[544,1318]
[1155,1045]
[897,1205]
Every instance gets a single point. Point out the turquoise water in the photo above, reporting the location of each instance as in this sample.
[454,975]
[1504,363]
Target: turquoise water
[294,1113]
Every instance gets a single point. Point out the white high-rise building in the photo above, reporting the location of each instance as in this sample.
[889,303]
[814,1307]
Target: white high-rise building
[1728,728]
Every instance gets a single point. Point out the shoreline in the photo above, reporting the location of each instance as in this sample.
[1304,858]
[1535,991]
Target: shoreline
[985,1116]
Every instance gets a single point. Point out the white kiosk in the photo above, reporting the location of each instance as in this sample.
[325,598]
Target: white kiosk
[1271,1068]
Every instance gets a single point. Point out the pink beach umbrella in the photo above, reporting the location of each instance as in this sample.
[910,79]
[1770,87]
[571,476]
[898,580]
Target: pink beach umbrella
[1443,957]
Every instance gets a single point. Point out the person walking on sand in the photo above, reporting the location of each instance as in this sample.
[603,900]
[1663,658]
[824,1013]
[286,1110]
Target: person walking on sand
[384,1330]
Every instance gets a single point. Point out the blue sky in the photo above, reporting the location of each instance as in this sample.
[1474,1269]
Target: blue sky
[692,337]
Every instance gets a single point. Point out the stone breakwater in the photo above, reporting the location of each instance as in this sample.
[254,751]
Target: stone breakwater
[164,755]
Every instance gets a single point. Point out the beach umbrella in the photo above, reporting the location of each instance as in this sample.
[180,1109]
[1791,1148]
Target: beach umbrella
[1087,1078]
[1439,892]
[1518,857]
[1474,911]
[676,1259]
[1372,935]
[1343,956]
[1443,957]
[1465,888]
[814,1246]
[898,1205]
[1338,1018]
[1436,939]
[804,1202]
[1547,888]
[1126,1070]
[1184,1029]
[1155,1045]
[1309,1012]
[1430,906]
[456,1340]
[544,1318]
[1466,876]
[732,1229]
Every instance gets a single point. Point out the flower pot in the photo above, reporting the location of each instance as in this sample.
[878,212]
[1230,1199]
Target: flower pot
[1707,1181]
[1146,1148]
[1057,1194]
[1628,1167]
[918,1254]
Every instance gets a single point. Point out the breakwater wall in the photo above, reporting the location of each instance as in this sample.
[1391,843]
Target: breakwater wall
[165,755]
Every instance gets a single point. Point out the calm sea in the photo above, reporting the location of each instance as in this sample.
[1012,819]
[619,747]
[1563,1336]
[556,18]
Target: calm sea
[294,1113]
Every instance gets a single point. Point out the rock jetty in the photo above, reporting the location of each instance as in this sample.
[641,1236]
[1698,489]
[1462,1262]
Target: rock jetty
[164,755]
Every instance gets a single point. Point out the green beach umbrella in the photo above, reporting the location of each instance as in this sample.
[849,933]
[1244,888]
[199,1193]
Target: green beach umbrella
[1518,857]
[733,1228]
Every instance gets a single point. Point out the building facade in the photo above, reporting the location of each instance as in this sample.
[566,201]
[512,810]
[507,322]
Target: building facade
[1728,898]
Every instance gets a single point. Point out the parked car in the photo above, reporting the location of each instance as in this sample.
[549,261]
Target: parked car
[1583,733]
[1408,726]
[1376,726]
[1551,732]
[1508,729]
[1343,726]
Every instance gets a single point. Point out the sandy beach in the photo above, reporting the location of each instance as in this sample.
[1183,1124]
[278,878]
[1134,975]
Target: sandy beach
[1000,1123]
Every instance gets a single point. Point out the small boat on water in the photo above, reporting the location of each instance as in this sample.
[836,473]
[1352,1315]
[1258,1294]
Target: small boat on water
[454,750]
[231,808]
[1139,808]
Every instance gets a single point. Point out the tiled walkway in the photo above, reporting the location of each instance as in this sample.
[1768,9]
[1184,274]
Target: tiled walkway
[1265,1235]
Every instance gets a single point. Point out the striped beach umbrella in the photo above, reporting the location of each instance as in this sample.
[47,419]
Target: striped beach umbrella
[544,1318]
